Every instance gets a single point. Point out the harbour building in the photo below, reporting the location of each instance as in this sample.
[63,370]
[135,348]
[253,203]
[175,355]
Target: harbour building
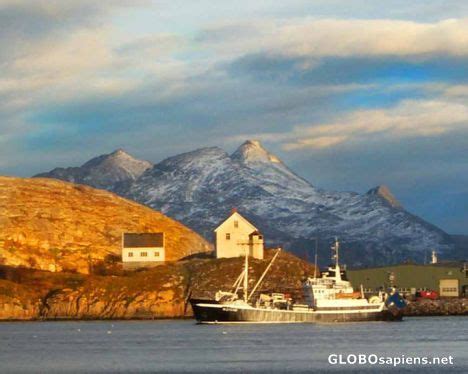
[448,279]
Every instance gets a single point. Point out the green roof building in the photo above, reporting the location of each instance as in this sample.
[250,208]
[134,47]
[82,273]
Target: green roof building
[448,279]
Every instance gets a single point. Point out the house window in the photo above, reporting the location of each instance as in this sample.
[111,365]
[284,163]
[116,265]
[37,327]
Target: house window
[260,237]
[236,224]
[449,289]
[144,254]
[156,254]
[130,254]
[228,236]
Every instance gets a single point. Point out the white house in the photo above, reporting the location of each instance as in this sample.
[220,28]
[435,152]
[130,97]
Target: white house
[236,235]
[143,249]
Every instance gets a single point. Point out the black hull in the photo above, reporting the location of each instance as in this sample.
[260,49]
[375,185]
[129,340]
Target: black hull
[217,313]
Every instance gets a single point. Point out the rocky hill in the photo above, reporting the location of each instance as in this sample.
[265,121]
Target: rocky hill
[53,225]
[161,292]
[199,188]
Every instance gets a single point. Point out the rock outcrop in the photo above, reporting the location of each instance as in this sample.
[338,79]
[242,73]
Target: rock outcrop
[442,307]
[52,225]
[161,292]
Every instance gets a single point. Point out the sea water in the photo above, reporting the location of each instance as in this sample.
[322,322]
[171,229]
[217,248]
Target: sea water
[182,346]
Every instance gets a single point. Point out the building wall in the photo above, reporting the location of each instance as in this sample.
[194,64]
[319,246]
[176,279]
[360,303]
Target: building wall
[408,276]
[256,248]
[232,238]
[137,254]
[449,288]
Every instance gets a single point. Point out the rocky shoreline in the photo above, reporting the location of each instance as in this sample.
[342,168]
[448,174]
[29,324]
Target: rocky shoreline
[158,293]
[161,292]
[442,307]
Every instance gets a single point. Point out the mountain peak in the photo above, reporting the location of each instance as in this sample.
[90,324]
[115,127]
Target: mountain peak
[385,193]
[253,151]
[253,143]
[120,152]
[117,157]
[103,171]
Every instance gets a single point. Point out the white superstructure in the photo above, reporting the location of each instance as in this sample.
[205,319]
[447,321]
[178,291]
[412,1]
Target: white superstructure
[331,291]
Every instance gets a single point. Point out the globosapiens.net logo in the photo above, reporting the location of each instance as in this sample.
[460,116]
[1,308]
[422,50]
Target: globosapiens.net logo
[374,359]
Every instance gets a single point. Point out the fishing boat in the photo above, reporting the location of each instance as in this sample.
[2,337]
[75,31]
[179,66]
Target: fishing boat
[328,298]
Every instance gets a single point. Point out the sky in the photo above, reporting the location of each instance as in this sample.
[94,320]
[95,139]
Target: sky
[350,94]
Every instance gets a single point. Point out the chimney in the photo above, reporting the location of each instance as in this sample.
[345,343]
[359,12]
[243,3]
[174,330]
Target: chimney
[233,210]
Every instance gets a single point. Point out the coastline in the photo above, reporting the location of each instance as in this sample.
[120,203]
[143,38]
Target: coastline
[156,294]
[424,308]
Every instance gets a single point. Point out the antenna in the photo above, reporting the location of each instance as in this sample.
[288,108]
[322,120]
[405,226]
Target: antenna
[246,274]
[316,257]
[336,248]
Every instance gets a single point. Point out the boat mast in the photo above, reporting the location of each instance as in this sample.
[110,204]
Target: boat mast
[335,256]
[316,257]
[246,274]
[247,245]
[238,282]
[264,273]
[315,267]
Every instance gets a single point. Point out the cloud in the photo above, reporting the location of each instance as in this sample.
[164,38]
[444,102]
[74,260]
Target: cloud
[62,47]
[81,51]
[24,23]
[317,142]
[408,119]
[316,38]
[153,46]
[373,37]
[457,91]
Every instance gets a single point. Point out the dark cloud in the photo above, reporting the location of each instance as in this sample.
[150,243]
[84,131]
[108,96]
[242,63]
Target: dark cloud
[346,70]
[24,23]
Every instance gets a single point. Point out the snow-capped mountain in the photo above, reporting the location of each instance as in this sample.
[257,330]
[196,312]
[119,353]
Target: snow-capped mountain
[200,188]
[106,171]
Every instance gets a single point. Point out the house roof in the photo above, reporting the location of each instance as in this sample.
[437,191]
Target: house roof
[256,232]
[236,214]
[143,240]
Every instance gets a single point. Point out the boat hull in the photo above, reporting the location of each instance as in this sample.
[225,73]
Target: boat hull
[218,313]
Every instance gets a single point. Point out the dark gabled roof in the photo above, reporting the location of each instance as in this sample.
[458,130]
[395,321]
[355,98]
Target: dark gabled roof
[143,240]
[256,232]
